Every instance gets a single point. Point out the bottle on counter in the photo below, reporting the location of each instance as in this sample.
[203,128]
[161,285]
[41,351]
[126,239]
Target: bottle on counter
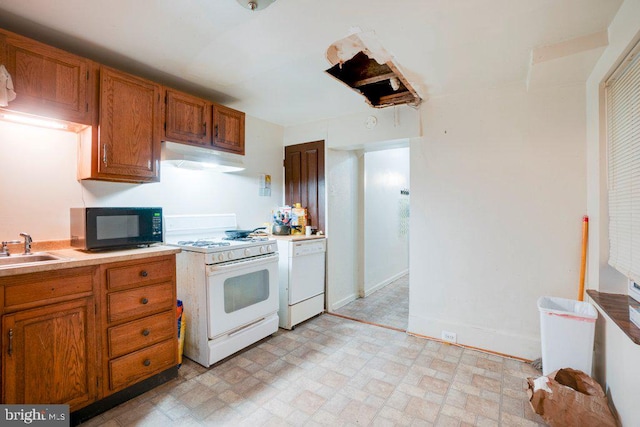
[298,219]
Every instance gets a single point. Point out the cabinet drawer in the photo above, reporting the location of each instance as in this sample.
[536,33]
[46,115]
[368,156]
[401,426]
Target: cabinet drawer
[139,274]
[139,302]
[30,289]
[144,363]
[141,333]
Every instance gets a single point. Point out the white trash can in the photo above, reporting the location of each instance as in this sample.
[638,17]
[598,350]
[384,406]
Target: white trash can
[567,328]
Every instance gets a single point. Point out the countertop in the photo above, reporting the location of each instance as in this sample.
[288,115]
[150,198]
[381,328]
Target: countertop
[616,306]
[297,237]
[77,258]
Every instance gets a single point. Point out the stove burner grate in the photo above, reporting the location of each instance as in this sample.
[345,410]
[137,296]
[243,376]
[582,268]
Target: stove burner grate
[246,239]
[202,243]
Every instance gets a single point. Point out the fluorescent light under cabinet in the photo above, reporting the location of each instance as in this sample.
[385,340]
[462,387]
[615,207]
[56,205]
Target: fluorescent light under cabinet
[34,121]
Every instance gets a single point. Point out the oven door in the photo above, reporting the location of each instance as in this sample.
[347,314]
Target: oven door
[241,293]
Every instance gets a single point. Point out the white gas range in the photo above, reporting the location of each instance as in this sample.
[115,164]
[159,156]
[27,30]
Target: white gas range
[229,288]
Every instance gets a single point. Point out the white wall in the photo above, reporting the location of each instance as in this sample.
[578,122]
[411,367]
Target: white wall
[386,231]
[38,184]
[616,362]
[497,199]
[351,132]
[342,227]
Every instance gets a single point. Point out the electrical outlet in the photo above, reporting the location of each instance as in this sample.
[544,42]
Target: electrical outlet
[449,336]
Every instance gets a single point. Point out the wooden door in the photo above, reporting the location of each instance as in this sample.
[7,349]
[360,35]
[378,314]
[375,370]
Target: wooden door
[130,127]
[50,355]
[228,129]
[187,119]
[304,180]
[48,82]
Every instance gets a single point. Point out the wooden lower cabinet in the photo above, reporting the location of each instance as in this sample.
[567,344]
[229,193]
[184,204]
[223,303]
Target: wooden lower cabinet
[50,355]
[140,329]
[60,345]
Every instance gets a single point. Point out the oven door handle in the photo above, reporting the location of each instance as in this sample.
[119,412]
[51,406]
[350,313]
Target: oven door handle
[264,259]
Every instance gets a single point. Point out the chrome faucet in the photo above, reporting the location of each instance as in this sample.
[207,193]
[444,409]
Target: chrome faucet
[27,243]
[5,249]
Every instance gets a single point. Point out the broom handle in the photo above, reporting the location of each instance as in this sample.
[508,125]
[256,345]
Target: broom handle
[583,261]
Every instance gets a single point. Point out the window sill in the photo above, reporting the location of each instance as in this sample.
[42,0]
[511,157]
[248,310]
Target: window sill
[616,306]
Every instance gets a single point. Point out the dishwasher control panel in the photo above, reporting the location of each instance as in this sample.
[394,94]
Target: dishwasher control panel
[309,247]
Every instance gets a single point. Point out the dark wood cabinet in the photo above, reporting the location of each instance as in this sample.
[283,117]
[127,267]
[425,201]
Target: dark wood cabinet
[49,348]
[228,129]
[125,143]
[188,119]
[48,82]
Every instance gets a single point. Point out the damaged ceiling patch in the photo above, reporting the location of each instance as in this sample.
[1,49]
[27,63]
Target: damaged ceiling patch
[360,62]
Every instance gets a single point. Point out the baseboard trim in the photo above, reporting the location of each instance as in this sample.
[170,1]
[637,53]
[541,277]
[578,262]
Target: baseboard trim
[380,285]
[500,342]
[344,301]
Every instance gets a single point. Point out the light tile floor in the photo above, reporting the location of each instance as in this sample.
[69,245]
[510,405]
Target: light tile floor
[337,372]
[388,306]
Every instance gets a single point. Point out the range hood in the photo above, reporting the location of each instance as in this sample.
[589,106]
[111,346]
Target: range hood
[191,157]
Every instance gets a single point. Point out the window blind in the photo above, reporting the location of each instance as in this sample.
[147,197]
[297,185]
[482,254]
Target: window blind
[623,139]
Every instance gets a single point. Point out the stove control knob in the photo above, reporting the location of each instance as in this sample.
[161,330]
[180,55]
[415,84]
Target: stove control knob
[247,252]
[262,249]
[221,257]
[230,255]
[270,248]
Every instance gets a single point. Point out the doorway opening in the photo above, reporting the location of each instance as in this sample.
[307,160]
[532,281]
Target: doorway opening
[382,295]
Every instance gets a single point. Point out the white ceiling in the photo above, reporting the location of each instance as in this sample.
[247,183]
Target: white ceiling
[271,63]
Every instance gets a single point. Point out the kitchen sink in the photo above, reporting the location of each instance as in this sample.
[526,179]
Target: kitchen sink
[35,258]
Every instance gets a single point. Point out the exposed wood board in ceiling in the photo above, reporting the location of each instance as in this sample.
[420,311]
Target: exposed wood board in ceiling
[362,63]
[374,81]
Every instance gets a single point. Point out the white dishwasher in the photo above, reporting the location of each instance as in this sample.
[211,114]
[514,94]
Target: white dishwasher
[302,279]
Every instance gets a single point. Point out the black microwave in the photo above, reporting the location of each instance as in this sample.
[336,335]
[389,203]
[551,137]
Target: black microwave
[110,228]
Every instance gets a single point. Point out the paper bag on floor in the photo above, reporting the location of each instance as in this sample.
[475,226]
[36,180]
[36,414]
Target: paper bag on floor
[568,397]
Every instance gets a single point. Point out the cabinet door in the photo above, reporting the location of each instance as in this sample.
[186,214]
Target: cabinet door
[228,129]
[48,82]
[187,119]
[130,123]
[50,355]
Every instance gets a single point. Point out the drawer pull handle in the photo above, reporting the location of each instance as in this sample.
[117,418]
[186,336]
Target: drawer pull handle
[144,300]
[146,362]
[145,332]
[144,273]
[10,350]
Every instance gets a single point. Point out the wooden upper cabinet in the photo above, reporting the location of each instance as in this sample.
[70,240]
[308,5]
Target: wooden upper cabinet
[125,146]
[48,81]
[196,121]
[187,119]
[228,129]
